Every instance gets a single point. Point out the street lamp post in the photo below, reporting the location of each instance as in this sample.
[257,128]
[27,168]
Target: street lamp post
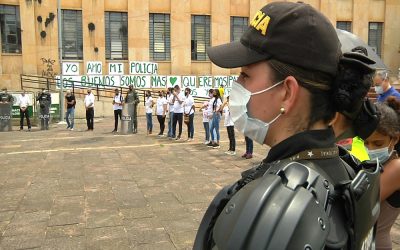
[60,51]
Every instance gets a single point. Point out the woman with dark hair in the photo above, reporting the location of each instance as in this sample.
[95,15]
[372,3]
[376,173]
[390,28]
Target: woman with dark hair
[189,109]
[215,119]
[300,196]
[381,146]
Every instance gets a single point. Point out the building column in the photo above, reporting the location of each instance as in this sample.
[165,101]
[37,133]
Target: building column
[93,12]
[138,30]
[361,18]
[328,7]
[220,29]
[180,37]
[391,36]
[28,37]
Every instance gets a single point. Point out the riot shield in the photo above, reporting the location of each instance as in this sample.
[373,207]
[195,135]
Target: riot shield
[126,118]
[44,115]
[5,117]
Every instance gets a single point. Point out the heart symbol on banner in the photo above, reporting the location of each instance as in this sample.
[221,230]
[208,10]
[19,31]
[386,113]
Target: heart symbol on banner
[172,80]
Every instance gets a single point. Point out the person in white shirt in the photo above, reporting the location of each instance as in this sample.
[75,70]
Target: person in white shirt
[161,111]
[228,123]
[170,97]
[189,109]
[149,112]
[178,100]
[206,121]
[23,103]
[89,105]
[117,106]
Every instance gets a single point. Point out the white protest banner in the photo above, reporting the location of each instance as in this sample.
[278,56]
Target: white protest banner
[68,81]
[231,79]
[174,80]
[220,81]
[143,68]
[137,81]
[189,82]
[205,82]
[70,68]
[94,68]
[159,81]
[115,68]
[200,92]
[89,81]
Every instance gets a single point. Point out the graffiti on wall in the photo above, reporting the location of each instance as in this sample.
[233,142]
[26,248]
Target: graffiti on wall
[48,67]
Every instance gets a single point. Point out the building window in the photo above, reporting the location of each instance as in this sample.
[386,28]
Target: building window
[160,41]
[116,35]
[10,29]
[238,27]
[201,30]
[72,34]
[375,37]
[344,25]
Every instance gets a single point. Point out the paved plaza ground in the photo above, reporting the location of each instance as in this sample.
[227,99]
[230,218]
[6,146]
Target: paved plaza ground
[64,189]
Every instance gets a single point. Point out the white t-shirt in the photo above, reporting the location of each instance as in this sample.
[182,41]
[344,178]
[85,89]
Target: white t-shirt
[210,107]
[149,105]
[178,107]
[23,101]
[89,100]
[205,113]
[161,101]
[227,115]
[117,102]
[189,102]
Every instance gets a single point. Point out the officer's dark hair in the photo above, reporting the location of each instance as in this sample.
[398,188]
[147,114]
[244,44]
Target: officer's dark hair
[389,123]
[343,93]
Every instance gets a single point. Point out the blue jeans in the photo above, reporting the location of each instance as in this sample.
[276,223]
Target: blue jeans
[207,130]
[149,119]
[215,126]
[70,114]
[171,117]
[249,145]
[191,126]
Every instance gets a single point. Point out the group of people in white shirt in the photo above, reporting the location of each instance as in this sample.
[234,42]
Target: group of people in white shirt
[178,105]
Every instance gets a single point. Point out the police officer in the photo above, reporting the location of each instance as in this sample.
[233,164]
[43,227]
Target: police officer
[44,99]
[6,102]
[302,195]
[132,100]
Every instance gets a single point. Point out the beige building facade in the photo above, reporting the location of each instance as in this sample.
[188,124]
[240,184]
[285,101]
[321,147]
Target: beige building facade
[39,52]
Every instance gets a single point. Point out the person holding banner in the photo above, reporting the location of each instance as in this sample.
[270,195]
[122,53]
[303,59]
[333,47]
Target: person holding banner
[23,103]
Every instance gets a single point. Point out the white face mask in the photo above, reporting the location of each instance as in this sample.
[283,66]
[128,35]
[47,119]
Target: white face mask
[381,154]
[250,127]
[378,89]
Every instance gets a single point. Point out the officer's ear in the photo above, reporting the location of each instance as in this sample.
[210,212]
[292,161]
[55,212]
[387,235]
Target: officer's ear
[290,96]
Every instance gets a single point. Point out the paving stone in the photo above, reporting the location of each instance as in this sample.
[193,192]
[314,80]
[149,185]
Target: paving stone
[65,231]
[65,243]
[22,241]
[107,238]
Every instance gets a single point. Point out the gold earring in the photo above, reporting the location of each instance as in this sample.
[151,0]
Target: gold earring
[282,110]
